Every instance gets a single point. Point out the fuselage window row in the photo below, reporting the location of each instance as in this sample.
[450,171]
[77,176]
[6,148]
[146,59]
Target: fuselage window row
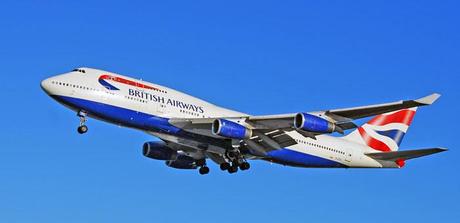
[321,147]
[190,113]
[92,89]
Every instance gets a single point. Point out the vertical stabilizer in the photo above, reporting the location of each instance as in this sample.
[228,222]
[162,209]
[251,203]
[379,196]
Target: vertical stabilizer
[384,132]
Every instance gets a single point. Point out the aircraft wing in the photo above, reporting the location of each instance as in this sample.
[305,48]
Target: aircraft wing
[272,130]
[371,110]
[349,114]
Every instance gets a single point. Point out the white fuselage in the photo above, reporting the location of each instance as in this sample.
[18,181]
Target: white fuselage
[85,91]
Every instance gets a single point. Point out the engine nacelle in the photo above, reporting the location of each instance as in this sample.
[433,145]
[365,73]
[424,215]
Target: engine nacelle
[313,123]
[229,129]
[182,162]
[158,151]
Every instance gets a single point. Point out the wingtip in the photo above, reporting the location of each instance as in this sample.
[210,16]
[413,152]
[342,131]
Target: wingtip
[443,149]
[430,99]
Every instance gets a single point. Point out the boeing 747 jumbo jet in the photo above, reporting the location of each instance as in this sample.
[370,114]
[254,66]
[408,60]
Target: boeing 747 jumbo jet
[193,131]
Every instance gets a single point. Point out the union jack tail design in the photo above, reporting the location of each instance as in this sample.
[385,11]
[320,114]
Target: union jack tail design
[384,132]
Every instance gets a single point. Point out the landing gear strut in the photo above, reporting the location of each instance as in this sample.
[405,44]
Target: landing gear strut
[82,128]
[203,168]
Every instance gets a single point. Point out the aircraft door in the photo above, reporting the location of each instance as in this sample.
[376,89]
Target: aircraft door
[349,155]
[161,109]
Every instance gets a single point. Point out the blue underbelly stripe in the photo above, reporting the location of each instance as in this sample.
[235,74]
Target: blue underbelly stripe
[120,115]
[291,157]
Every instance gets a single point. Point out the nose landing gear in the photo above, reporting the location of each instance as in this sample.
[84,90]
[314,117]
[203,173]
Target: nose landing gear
[82,128]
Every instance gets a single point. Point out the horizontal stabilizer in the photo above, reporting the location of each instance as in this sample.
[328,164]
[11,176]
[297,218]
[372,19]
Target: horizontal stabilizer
[404,155]
[428,100]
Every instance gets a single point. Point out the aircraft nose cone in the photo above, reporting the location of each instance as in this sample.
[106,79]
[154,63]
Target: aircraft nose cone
[45,85]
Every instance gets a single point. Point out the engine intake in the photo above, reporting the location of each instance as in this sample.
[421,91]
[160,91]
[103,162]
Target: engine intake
[229,129]
[158,151]
[313,123]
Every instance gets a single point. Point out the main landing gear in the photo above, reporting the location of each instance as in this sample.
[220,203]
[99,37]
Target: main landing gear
[204,169]
[234,162]
[82,128]
[237,161]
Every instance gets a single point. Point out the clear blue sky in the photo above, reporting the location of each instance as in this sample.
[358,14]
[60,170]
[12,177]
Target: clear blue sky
[260,57]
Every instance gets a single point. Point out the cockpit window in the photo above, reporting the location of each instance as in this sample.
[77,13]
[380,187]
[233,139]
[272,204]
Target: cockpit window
[79,70]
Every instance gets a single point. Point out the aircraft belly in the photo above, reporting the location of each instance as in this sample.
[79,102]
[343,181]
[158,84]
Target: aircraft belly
[190,143]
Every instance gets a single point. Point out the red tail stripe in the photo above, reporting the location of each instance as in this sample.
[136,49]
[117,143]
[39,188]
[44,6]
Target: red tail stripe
[128,82]
[403,117]
[400,162]
[372,142]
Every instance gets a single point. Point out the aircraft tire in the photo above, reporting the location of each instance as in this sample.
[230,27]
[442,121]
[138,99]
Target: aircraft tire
[204,170]
[245,166]
[82,129]
[233,169]
[224,166]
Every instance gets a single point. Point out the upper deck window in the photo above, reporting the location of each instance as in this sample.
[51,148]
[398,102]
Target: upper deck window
[79,70]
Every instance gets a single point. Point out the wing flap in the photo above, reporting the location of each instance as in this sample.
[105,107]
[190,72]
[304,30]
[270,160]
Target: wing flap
[280,137]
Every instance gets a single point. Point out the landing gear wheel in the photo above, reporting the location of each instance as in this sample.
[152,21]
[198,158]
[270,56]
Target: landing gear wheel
[233,169]
[204,170]
[245,166]
[224,166]
[82,129]
[201,162]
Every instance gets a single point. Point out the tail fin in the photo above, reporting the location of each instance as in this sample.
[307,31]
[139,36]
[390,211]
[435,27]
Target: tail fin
[384,132]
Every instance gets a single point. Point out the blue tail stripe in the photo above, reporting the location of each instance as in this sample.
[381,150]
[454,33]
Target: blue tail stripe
[396,135]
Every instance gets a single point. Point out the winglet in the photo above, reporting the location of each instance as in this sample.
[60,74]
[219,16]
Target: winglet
[428,100]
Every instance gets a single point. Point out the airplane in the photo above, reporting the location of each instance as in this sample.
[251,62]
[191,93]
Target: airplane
[193,131]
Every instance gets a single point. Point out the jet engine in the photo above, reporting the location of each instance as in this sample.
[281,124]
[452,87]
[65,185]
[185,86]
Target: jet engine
[313,123]
[158,151]
[229,129]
